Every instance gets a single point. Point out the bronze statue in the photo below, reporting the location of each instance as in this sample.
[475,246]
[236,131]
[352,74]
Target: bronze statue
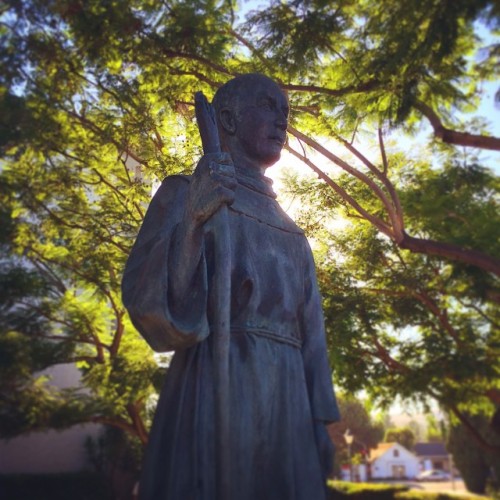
[280,393]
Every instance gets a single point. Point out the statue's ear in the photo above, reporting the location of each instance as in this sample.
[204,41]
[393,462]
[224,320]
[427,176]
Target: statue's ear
[227,121]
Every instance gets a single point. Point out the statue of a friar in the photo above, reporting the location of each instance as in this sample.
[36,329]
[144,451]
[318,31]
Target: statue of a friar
[280,393]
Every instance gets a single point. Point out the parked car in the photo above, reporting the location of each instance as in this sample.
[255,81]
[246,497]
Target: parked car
[434,475]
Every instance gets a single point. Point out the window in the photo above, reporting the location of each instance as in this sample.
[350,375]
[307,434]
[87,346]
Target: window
[398,471]
[395,453]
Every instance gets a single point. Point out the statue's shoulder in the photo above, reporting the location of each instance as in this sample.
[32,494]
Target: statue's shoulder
[165,208]
[171,191]
[177,178]
[175,181]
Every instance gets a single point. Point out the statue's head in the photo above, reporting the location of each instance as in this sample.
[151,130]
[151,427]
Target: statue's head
[252,115]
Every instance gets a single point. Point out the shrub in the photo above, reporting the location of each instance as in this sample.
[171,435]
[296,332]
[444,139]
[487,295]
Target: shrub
[339,490]
[77,486]
[428,495]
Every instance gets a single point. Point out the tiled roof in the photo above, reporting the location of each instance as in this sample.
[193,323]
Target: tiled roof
[430,450]
[380,450]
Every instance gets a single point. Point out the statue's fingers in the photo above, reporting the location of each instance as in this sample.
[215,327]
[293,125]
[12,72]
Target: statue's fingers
[223,179]
[225,195]
[221,169]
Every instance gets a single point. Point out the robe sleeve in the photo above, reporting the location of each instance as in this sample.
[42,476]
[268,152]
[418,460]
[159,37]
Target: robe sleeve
[314,353]
[165,325]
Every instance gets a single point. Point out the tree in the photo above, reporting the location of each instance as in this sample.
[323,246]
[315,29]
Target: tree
[412,326]
[479,468]
[416,428]
[90,88]
[49,318]
[23,351]
[357,421]
[397,65]
[402,435]
[436,430]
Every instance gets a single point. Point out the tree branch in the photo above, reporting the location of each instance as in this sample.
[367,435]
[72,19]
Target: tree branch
[429,303]
[382,151]
[384,355]
[455,137]
[351,170]
[470,427]
[175,54]
[350,89]
[393,206]
[252,48]
[380,224]
[396,233]
[113,422]
[440,314]
[140,429]
[450,251]
[122,148]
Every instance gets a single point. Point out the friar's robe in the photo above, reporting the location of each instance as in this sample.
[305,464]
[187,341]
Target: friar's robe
[281,392]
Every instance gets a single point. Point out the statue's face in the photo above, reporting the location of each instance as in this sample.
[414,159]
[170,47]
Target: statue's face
[261,122]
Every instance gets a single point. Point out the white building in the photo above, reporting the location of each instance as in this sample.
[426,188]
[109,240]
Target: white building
[433,456]
[50,451]
[391,460]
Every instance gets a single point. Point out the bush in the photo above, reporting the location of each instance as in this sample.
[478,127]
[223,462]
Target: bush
[340,490]
[428,495]
[77,486]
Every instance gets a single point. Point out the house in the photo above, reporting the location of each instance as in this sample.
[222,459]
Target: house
[391,460]
[433,456]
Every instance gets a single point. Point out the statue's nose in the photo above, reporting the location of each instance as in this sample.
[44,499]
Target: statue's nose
[281,121]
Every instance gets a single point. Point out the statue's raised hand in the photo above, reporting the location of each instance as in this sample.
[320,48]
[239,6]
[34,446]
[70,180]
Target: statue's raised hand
[212,185]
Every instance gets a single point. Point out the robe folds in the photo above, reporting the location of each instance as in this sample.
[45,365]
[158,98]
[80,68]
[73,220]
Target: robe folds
[281,393]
